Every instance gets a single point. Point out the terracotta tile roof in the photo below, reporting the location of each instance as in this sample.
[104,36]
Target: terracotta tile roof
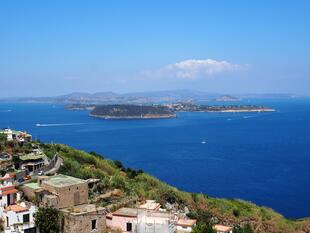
[8,192]
[7,187]
[221,228]
[6,177]
[16,208]
[186,222]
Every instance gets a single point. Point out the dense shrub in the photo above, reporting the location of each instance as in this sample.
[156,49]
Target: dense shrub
[203,228]
[246,229]
[236,212]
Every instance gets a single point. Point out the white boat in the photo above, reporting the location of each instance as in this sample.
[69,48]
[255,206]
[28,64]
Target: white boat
[203,142]
[38,125]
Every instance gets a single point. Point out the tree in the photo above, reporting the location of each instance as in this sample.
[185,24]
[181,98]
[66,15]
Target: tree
[119,165]
[3,137]
[200,215]
[48,220]
[203,228]
[236,213]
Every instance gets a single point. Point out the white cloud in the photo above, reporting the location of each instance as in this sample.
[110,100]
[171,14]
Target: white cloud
[195,69]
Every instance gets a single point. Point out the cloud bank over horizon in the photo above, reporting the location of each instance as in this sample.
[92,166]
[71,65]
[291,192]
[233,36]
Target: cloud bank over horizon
[193,69]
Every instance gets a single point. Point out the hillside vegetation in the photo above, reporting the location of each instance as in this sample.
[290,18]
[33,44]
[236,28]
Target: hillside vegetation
[128,184]
[131,111]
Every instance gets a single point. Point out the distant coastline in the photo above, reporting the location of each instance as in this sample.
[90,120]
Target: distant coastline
[77,107]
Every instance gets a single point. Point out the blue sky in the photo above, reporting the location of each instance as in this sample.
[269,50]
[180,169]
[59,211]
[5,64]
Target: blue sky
[54,47]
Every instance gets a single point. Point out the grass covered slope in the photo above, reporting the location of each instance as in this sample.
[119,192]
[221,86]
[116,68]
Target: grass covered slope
[137,184]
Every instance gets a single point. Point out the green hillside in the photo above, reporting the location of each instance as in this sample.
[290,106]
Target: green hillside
[127,184]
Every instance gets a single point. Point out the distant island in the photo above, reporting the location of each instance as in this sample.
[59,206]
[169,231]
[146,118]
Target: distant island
[128,111]
[132,112]
[227,98]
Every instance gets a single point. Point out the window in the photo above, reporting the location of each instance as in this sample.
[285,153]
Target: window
[26,218]
[30,230]
[129,226]
[93,224]
[77,198]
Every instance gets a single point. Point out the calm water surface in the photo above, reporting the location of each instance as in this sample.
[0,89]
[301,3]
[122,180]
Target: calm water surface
[261,157]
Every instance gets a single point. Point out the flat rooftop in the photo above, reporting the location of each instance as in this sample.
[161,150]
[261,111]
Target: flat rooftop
[32,185]
[186,222]
[134,212]
[63,181]
[31,156]
[83,209]
[127,212]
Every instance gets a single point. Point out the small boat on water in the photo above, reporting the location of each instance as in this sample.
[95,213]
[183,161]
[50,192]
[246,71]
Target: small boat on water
[203,141]
[38,125]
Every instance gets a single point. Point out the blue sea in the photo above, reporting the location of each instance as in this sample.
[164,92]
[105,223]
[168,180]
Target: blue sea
[260,157]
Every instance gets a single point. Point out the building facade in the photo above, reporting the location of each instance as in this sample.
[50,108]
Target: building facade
[65,191]
[139,220]
[87,218]
[8,194]
[19,218]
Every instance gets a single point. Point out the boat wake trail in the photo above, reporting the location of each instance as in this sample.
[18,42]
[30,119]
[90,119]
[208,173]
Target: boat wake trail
[54,125]
[9,110]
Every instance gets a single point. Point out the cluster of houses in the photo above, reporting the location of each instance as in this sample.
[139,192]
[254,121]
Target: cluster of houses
[71,196]
[16,215]
[20,136]
[26,164]
[150,217]
[20,199]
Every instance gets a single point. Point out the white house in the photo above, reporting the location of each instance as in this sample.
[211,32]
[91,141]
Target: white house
[20,136]
[185,225]
[8,194]
[8,133]
[19,218]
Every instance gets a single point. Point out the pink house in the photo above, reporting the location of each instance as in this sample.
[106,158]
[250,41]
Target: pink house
[142,220]
[123,219]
